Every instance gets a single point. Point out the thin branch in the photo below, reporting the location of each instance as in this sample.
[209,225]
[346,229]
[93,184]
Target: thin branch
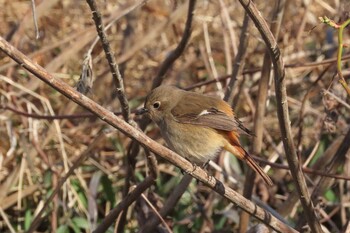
[318,63]
[37,35]
[338,160]
[143,139]
[134,147]
[124,204]
[340,54]
[340,28]
[152,164]
[208,56]
[6,220]
[117,78]
[169,204]
[260,106]
[305,169]
[52,117]
[239,60]
[342,102]
[303,106]
[122,14]
[38,218]
[332,159]
[157,213]
[175,54]
[283,114]
[91,115]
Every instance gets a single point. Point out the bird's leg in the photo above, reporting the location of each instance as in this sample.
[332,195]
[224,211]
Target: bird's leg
[205,165]
[189,171]
[194,168]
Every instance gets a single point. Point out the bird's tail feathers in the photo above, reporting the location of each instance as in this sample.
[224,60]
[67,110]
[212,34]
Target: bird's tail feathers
[244,155]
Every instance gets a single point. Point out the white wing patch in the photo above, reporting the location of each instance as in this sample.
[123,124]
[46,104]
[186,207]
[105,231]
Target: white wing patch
[204,112]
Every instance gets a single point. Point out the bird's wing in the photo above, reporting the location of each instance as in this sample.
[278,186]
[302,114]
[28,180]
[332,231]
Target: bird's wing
[207,111]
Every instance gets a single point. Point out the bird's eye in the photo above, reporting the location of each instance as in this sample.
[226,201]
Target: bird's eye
[156,104]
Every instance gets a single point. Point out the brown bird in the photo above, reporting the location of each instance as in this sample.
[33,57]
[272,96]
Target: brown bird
[197,126]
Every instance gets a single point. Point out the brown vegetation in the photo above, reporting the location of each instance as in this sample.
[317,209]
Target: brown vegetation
[45,136]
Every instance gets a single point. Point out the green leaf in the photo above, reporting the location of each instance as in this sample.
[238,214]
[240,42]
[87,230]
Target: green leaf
[168,186]
[330,196]
[186,199]
[320,151]
[221,223]
[63,229]
[107,189]
[47,179]
[118,144]
[80,191]
[80,222]
[74,227]
[27,219]
[139,176]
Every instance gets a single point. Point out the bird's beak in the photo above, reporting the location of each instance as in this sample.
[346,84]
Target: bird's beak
[141,111]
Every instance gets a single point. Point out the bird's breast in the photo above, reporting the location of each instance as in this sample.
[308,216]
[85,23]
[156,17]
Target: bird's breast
[196,143]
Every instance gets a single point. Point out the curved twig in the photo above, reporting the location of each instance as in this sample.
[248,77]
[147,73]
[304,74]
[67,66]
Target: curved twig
[261,103]
[283,114]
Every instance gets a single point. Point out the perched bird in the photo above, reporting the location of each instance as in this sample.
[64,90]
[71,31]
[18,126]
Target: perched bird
[197,126]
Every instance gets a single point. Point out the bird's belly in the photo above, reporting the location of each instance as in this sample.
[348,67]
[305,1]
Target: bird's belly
[196,143]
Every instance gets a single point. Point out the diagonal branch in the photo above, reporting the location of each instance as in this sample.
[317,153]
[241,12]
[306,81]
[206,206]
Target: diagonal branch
[117,78]
[143,139]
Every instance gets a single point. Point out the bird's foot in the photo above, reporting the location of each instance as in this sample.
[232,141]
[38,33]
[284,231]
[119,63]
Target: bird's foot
[190,171]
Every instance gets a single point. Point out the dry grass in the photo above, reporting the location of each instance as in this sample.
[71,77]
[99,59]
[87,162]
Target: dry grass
[35,153]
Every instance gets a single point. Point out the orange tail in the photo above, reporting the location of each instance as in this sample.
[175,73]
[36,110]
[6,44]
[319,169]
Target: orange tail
[236,149]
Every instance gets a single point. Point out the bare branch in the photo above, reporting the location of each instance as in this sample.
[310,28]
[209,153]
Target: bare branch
[37,35]
[117,78]
[179,49]
[260,105]
[134,147]
[143,139]
[124,204]
[339,159]
[239,60]
[283,114]
[169,204]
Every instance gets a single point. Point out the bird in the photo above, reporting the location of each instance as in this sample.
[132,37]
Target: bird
[197,126]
